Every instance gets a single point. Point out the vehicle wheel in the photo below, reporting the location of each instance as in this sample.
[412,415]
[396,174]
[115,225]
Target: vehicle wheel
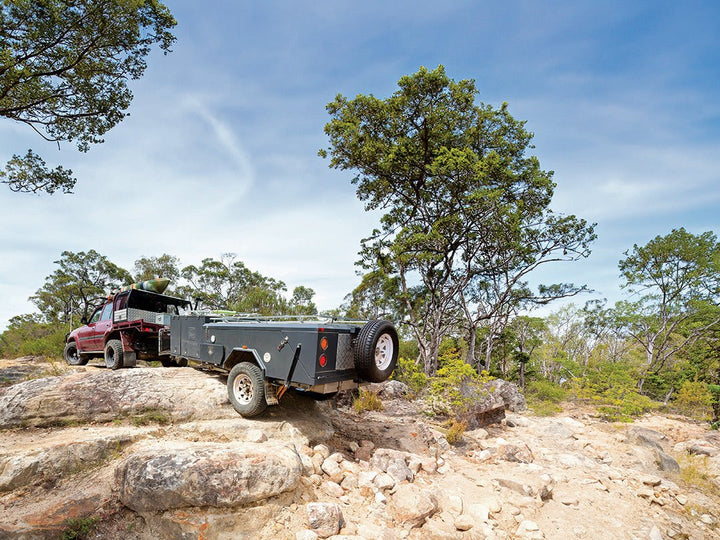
[72,356]
[168,362]
[114,354]
[246,389]
[376,351]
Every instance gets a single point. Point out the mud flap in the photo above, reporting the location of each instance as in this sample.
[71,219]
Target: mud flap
[129,355]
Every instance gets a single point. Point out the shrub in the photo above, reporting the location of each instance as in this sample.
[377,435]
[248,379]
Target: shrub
[622,405]
[79,528]
[455,432]
[543,397]
[456,384]
[367,400]
[410,373]
[694,399]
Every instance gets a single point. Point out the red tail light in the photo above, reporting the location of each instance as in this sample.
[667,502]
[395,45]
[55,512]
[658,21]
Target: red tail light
[322,360]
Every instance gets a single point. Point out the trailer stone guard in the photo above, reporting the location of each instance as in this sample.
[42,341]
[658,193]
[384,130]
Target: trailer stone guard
[263,356]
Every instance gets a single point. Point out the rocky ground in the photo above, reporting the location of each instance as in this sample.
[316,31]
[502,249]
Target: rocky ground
[159,453]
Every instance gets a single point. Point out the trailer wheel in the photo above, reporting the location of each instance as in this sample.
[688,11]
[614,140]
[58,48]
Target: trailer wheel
[72,356]
[376,351]
[246,389]
[114,354]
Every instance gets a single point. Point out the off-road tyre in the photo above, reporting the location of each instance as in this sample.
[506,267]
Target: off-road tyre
[114,354]
[376,351]
[246,389]
[72,356]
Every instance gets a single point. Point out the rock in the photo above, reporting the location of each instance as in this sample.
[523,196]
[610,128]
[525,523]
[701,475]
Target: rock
[399,471]
[60,457]
[323,450]
[486,408]
[511,395]
[512,485]
[652,481]
[384,481]
[681,499]
[463,523]
[353,446]
[700,449]
[105,395]
[666,463]
[414,464]
[646,437]
[333,489]
[391,390]
[365,478]
[178,475]
[655,533]
[479,512]
[350,482]
[528,529]
[380,497]
[325,519]
[429,465]
[516,420]
[332,468]
[515,453]
[255,436]
[411,506]
[306,534]
[307,465]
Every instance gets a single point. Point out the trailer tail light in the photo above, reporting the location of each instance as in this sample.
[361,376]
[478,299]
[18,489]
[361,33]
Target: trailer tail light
[324,344]
[322,360]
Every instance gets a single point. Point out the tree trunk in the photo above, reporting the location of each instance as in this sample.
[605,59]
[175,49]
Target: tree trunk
[488,352]
[472,334]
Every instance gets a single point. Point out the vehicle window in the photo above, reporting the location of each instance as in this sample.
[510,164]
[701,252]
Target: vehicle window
[106,312]
[121,302]
[96,316]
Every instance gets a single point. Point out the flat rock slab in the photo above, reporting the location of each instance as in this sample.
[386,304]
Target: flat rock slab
[177,474]
[102,395]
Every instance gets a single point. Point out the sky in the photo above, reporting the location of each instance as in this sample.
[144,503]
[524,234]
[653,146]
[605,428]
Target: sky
[219,153]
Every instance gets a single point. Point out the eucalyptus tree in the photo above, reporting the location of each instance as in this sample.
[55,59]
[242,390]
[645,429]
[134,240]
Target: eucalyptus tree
[464,203]
[64,71]
[674,282]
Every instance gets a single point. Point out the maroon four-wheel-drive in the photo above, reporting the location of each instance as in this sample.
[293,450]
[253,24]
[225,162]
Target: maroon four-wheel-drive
[125,328]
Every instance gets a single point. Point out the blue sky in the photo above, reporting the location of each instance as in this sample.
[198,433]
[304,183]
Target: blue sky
[219,153]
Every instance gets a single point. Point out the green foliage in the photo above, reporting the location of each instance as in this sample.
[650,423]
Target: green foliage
[80,282]
[544,397]
[678,276]
[166,266]
[227,284]
[65,69]
[454,433]
[456,384]
[28,335]
[466,206]
[30,174]
[79,528]
[367,400]
[151,417]
[695,399]
[619,405]
[410,373]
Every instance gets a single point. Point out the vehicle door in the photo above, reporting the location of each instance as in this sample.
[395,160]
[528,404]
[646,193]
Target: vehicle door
[86,334]
[103,326]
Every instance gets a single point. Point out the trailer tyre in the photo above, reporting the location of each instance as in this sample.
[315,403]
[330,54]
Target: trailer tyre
[114,354]
[376,351]
[246,389]
[72,356]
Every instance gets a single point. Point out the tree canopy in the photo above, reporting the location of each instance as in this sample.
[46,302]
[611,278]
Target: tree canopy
[64,71]
[466,206]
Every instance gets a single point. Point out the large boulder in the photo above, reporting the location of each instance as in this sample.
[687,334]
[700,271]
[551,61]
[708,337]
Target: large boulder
[103,395]
[510,393]
[180,474]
